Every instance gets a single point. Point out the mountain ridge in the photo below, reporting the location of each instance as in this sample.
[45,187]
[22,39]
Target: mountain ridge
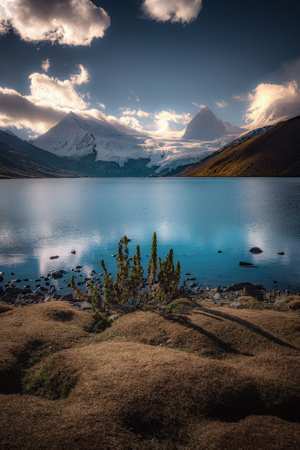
[273,153]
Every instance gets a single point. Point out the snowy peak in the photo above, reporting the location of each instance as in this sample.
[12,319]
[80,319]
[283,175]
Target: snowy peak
[76,136]
[206,126]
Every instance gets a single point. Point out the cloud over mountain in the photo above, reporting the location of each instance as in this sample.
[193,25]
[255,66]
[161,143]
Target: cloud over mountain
[183,11]
[48,102]
[272,102]
[69,22]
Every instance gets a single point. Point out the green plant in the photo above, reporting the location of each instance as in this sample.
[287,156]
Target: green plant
[127,292]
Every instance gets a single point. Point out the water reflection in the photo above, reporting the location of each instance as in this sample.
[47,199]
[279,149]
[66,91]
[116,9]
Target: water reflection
[197,217]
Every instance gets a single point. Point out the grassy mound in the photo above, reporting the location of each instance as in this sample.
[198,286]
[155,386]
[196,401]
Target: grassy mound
[208,379]
[29,334]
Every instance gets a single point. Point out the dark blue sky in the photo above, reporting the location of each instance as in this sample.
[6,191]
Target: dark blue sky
[229,49]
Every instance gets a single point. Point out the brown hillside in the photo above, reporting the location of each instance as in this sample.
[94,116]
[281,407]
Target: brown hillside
[275,153]
[214,378]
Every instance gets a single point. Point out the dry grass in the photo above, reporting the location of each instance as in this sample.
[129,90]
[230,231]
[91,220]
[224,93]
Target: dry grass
[210,379]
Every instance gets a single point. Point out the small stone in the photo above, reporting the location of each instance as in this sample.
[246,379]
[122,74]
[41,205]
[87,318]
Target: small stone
[280,253]
[54,257]
[255,250]
[73,251]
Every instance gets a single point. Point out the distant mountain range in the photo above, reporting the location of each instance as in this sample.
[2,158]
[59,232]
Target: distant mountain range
[274,153]
[81,147]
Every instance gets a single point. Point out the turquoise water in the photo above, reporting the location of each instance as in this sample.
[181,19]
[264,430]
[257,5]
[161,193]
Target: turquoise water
[196,217]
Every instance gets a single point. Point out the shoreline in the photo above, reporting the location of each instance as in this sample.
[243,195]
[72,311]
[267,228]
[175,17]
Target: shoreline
[23,292]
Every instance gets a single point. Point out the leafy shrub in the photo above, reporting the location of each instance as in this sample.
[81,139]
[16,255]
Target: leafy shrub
[128,292]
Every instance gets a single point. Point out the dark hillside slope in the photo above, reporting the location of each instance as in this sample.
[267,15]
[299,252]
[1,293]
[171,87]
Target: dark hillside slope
[21,159]
[276,153]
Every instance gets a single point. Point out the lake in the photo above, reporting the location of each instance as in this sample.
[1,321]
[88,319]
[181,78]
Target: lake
[198,218]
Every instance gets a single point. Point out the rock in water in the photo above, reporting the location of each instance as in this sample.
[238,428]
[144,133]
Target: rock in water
[58,274]
[256,250]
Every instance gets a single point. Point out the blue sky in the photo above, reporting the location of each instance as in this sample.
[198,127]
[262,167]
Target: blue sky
[162,58]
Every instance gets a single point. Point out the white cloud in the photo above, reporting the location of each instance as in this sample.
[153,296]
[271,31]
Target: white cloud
[47,90]
[132,122]
[45,65]
[69,22]
[221,104]
[239,97]
[141,113]
[19,111]
[198,106]
[134,112]
[272,102]
[183,11]
[49,100]
[163,119]
[101,105]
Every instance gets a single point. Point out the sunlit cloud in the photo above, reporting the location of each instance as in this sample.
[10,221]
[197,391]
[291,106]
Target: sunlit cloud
[163,118]
[47,90]
[134,112]
[198,106]
[239,97]
[69,22]
[183,11]
[132,122]
[18,111]
[101,105]
[49,101]
[221,104]
[45,65]
[272,102]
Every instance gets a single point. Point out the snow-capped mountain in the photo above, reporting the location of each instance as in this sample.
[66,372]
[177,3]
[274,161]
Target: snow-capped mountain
[205,126]
[77,137]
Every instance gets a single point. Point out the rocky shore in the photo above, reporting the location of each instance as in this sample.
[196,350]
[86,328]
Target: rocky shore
[45,288]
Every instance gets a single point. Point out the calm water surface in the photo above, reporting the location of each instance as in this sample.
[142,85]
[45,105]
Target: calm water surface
[196,217]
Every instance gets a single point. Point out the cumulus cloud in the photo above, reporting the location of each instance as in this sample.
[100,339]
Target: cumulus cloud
[49,100]
[134,112]
[18,111]
[183,11]
[221,104]
[270,103]
[47,90]
[159,120]
[163,118]
[45,65]
[69,22]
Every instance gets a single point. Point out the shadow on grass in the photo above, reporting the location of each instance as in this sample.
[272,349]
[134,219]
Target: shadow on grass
[250,326]
[184,321]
